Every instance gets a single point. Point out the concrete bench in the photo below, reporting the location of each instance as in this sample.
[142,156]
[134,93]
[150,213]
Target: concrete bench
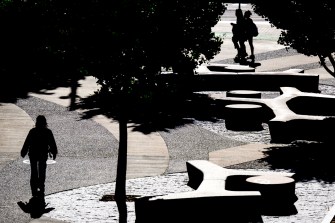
[301,116]
[230,67]
[277,189]
[295,70]
[294,115]
[243,117]
[278,193]
[219,194]
[244,94]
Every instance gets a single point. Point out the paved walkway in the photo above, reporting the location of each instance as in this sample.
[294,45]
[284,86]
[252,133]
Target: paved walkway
[91,159]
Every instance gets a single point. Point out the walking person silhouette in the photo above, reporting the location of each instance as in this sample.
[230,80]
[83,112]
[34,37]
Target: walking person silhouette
[39,143]
[239,36]
[251,31]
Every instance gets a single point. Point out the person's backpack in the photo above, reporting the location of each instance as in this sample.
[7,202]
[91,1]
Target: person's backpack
[254,29]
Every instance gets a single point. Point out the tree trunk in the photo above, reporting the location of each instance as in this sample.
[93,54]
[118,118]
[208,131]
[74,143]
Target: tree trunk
[120,186]
[324,64]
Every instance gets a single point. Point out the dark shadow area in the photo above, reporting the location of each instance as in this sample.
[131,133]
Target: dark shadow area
[36,207]
[165,111]
[20,87]
[312,106]
[196,210]
[308,160]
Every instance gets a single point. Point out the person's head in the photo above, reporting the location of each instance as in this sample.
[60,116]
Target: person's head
[247,14]
[41,122]
[238,13]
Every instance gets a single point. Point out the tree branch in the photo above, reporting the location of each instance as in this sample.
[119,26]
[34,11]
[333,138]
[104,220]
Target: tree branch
[324,64]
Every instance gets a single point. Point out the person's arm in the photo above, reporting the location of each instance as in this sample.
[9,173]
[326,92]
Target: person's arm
[53,146]
[26,145]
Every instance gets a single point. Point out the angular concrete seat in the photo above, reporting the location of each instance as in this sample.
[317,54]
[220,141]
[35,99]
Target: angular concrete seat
[293,115]
[220,195]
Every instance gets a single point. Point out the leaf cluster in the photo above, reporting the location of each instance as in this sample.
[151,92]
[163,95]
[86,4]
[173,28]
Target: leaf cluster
[307,26]
[122,43]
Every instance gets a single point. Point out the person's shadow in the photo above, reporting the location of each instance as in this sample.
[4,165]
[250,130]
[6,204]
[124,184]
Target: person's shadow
[36,207]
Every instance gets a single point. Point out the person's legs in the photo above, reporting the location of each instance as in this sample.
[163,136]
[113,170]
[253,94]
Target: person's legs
[251,44]
[235,42]
[42,165]
[33,177]
[237,47]
[243,51]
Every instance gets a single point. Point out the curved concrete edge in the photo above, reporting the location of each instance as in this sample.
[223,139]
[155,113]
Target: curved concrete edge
[330,215]
[14,127]
[47,220]
[147,153]
[239,154]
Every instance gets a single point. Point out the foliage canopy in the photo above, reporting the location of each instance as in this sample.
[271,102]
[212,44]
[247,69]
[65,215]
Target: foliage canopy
[307,26]
[119,42]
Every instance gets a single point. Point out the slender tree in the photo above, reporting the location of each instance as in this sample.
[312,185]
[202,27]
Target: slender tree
[307,27]
[150,36]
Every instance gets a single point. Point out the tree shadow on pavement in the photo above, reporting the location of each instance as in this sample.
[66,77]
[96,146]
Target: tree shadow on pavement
[160,114]
[308,160]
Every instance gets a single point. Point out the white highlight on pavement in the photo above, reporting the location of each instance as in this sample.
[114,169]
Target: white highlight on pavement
[256,22]
[83,205]
[48,161]
[315,198]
